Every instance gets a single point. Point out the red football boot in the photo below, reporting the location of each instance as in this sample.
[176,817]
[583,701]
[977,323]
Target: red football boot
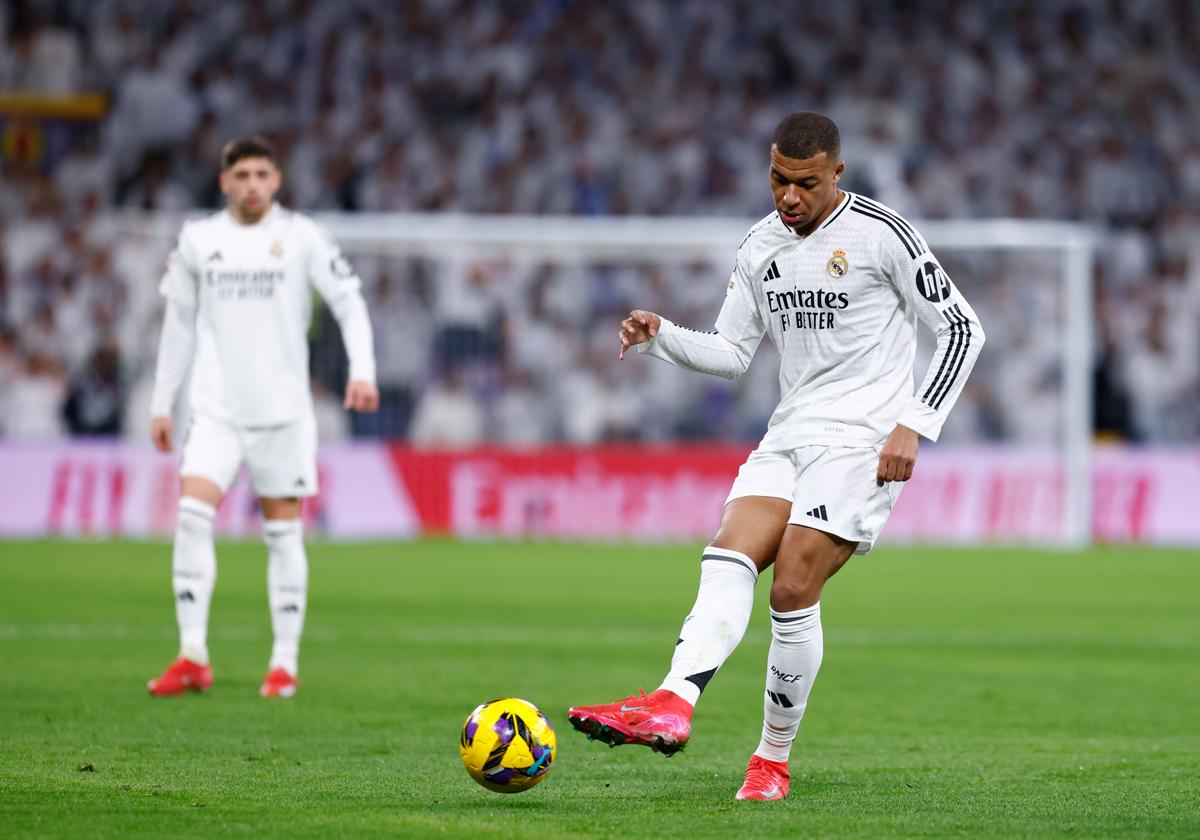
[661,721]
[765,779]
[181,675]
[278,683]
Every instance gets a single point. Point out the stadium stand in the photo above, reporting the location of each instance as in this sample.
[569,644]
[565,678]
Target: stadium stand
[1055,109]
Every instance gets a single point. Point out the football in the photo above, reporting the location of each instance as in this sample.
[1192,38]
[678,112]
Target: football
[507,745]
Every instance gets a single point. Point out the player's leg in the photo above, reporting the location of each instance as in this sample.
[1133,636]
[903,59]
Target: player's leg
[282,464]
[287,592]
[745,544]
[839,510]
[753,522]
[194,564]
[211,458]
[807,558]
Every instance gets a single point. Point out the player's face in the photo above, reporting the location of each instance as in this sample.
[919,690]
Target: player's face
[805,190]
[250,185]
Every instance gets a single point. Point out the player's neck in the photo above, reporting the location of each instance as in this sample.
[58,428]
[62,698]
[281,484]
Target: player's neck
[838,195]
[244,218]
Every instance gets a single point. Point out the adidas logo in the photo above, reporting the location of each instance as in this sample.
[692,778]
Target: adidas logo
[186,595]
[780,699]
[818,513]
[215,256]
[299,482]
[772,273]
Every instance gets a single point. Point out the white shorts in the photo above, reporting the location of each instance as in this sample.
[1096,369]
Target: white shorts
[831,488]
[282,460]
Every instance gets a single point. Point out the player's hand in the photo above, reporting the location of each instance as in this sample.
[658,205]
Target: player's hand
[640,326]
[160,433]
[361,396]
[899,456]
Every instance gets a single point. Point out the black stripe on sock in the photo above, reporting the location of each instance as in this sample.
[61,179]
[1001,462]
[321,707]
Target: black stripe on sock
[725,560]
[701,680]
[784,619]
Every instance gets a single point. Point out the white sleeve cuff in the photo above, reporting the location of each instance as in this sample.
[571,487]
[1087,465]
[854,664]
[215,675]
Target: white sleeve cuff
[922,419]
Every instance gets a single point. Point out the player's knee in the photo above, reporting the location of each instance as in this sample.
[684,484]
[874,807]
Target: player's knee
[795,591]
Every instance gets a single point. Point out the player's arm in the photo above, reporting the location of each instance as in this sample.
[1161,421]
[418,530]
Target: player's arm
[726,351]
[334,279]
[929,291]
[177,343]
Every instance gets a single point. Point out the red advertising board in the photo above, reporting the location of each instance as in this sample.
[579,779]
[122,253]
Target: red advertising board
[674,493]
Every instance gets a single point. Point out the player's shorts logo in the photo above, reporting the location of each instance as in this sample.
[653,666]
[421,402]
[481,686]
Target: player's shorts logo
[837,265]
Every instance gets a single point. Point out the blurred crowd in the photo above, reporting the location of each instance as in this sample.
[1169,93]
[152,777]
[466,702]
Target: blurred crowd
[1082,111]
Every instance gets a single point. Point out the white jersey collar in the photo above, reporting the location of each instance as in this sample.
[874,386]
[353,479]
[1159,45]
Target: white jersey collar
[268,216]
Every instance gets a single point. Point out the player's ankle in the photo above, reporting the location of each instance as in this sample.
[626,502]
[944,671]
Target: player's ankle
[672,700]
[772,757]
[194,653]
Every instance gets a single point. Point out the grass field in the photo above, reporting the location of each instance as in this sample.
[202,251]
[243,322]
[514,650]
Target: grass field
[973,693]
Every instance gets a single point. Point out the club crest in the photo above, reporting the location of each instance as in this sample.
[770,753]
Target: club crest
[837,265]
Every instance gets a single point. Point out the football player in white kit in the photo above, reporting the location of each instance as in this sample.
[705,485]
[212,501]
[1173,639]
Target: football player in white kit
[839,282]
[238,291]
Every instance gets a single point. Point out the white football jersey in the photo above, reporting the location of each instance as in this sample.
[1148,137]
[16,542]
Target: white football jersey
[841,305]
[251,288]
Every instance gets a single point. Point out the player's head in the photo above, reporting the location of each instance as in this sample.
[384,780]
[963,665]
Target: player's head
[806,163]
[250,177]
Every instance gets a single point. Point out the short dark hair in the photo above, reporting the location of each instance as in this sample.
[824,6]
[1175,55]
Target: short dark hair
[804,134]
[247,147]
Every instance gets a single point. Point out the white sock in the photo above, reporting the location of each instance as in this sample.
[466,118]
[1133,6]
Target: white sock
[287,590]
[716,623]
[797,645]
[193,575]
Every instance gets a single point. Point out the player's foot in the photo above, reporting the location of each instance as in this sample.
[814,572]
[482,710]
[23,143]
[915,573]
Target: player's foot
[661,721]
[278,683]
[181,675]
[765,780]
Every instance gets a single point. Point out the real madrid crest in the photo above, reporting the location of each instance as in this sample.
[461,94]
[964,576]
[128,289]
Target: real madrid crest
[276,248]
[837,265]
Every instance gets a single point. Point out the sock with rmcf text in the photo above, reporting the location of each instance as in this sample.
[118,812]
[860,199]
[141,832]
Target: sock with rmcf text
[797,645]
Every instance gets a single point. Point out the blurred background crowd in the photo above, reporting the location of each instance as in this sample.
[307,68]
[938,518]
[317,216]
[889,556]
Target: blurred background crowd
[1085,111]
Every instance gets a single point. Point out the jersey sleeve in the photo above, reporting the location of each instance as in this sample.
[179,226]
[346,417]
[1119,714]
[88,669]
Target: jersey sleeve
[927,290]
[336,281]
[328,269]
[180,280]
[726,351]
[176,348]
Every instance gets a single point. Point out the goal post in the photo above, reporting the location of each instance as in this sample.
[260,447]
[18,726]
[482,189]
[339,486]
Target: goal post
[580,240]
[1043,268]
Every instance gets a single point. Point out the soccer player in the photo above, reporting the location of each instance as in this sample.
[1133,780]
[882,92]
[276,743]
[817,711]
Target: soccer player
[238,300]
[838,281]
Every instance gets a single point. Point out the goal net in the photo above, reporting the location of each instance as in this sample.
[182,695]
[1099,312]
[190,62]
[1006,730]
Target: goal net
[502,331]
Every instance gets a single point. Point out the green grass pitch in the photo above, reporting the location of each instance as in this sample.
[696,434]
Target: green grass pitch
[964,693]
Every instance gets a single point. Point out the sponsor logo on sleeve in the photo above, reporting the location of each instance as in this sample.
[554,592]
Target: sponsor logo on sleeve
[932,283]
